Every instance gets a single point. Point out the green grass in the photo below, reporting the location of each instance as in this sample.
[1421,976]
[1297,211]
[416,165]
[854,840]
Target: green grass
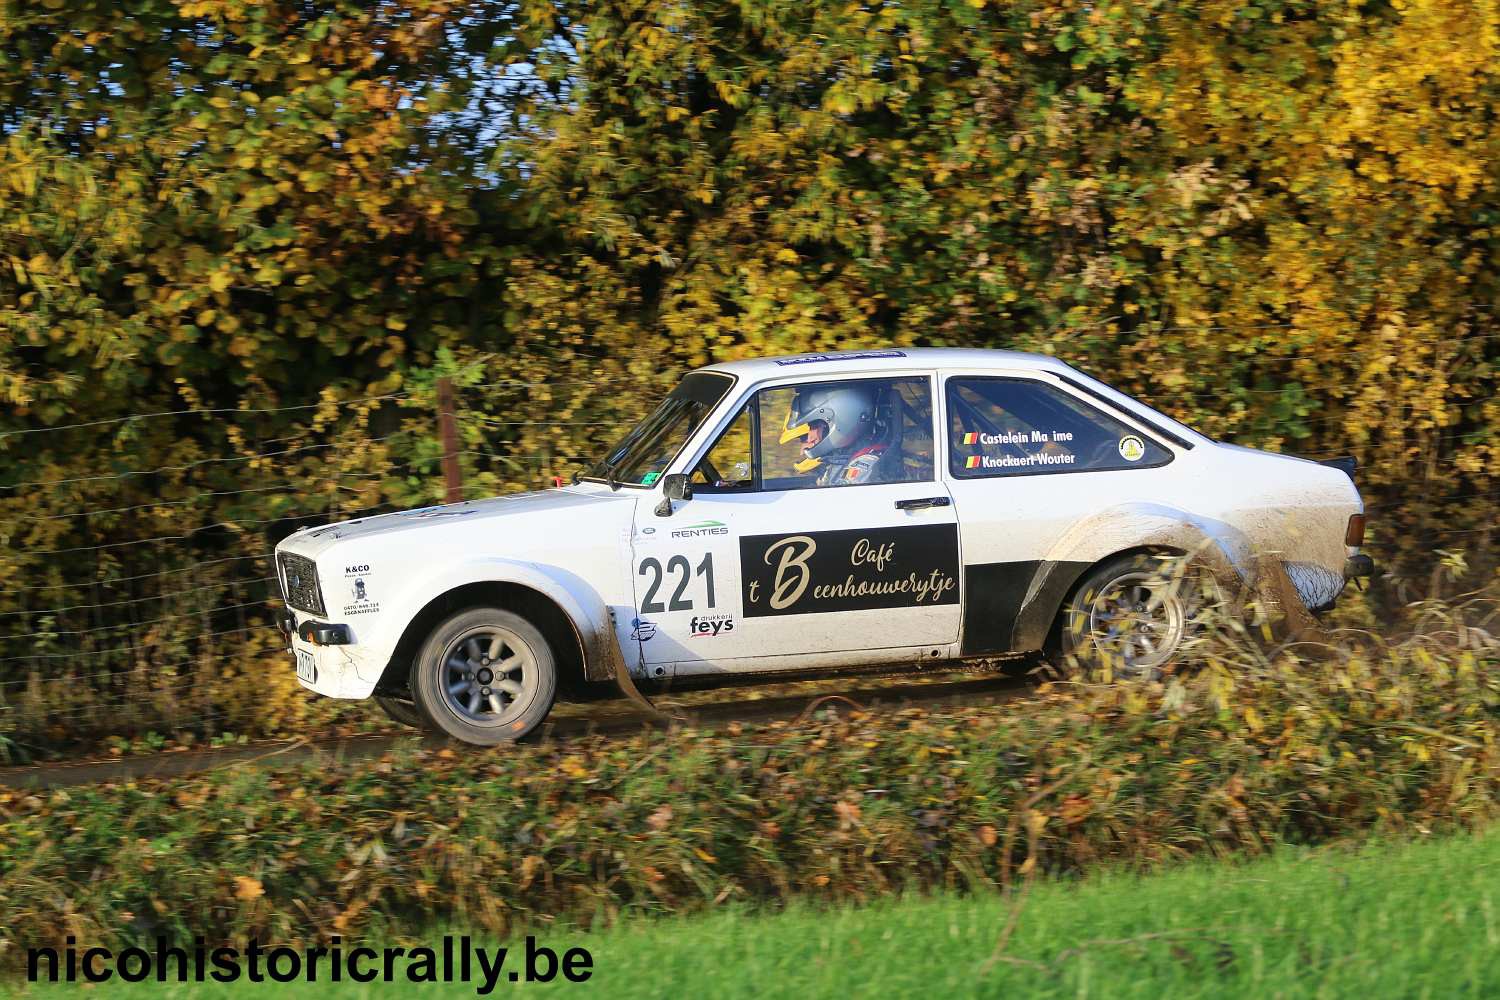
[1409,920]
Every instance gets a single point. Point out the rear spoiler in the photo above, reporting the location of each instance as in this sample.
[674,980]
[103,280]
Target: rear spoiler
[1345,464]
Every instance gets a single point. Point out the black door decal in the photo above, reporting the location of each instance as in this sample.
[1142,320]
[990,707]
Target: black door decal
[852,570]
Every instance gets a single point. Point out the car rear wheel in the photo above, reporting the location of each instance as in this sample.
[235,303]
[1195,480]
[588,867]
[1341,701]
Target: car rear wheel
[400,710]
[1132,615]
[485,676]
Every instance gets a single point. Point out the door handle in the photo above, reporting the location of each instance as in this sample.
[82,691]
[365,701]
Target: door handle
[921,502]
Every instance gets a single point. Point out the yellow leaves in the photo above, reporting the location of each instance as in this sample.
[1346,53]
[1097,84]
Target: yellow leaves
[312,181]
[345,920]
[394,322]
[840,101]
[248,889]
[531,866]
[220,281]
[1074,810]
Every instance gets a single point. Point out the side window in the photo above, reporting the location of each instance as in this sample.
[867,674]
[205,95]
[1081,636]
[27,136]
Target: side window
[847,433]
[1011,427]
[727,466]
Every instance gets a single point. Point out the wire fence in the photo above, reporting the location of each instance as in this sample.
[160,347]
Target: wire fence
[138,594]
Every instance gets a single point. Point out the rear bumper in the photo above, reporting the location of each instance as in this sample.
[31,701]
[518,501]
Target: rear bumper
[1319,585]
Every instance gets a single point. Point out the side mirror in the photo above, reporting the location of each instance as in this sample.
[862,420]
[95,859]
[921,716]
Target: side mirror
[673,487]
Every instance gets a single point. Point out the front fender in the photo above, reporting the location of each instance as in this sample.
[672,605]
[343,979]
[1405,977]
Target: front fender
[583,606]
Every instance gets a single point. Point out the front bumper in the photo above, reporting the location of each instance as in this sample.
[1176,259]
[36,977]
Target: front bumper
[316,633]
[339,668]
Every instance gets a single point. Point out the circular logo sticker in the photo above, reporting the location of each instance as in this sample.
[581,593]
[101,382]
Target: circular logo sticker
[1132,448]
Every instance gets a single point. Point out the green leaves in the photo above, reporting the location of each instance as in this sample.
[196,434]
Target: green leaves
[1278,223]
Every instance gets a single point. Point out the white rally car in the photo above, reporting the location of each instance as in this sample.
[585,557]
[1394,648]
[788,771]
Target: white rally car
[802,514]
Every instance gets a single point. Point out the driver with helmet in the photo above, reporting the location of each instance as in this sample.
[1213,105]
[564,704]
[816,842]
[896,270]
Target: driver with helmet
[837,426]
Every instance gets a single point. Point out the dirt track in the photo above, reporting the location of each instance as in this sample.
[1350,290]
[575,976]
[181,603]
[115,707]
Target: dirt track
[613,717]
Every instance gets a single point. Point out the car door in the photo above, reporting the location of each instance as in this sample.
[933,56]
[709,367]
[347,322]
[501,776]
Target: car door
[1026,461]
[772,565]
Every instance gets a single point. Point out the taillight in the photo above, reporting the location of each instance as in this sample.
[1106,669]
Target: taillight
[1354,535]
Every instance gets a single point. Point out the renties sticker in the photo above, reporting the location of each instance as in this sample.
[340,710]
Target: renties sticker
[1132,448]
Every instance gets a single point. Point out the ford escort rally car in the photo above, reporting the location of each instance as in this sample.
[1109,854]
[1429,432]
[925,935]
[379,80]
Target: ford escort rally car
[800,514]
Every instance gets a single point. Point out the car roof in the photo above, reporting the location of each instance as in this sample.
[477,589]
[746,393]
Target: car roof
[884,359]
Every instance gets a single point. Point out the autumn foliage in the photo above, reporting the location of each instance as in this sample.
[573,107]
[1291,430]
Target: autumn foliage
[1243,758]
[1276,221]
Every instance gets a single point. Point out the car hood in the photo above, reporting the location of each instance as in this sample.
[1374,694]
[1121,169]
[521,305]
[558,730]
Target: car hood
[467,520]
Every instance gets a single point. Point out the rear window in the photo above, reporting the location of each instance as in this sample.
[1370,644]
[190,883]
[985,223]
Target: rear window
[1018,427]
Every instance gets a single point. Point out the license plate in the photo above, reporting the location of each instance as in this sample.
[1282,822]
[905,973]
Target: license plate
[307,667]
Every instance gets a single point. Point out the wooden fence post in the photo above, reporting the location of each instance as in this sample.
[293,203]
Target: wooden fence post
[448,428]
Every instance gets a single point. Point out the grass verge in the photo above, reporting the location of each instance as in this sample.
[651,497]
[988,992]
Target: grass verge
[1389,920]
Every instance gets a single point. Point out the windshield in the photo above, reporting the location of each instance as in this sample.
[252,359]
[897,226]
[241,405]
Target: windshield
[642,455]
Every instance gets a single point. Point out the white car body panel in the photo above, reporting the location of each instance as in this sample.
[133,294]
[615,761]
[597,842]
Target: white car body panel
[635,586]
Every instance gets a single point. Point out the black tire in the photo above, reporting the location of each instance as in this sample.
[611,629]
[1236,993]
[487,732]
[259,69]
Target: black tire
[401,710]
[1132,615]
[460,685]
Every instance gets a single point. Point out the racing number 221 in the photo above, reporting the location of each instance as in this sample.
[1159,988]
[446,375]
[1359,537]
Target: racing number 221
[680,567]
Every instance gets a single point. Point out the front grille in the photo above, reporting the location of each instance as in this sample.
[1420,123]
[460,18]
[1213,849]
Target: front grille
[299,583]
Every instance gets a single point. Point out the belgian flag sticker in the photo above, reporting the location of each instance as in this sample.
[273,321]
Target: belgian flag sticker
[972,462]
[971,438]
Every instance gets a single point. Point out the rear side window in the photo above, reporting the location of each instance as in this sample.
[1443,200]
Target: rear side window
[1019,427]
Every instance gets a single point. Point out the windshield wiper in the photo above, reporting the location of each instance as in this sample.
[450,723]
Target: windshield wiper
[603,469]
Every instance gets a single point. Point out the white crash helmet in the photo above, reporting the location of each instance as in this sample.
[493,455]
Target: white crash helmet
[847,410]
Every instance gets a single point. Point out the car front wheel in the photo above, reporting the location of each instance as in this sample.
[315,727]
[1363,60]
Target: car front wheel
[485,676]
[1132,615]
